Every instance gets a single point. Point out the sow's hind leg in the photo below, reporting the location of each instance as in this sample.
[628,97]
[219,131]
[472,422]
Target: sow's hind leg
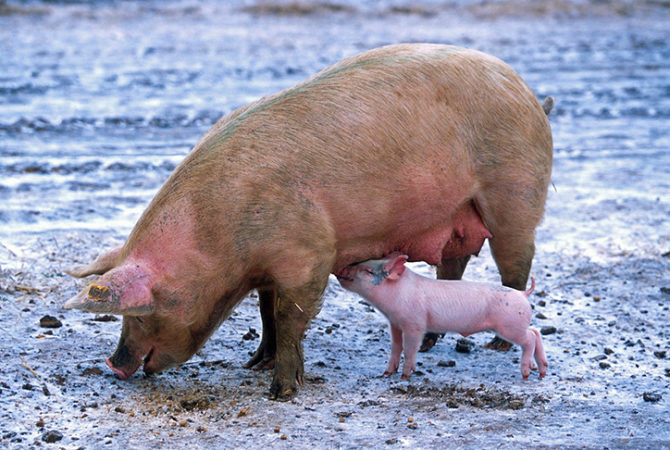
[511,215]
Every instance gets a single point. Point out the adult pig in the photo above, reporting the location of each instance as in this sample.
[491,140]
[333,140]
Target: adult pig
[418,148]
[414,304]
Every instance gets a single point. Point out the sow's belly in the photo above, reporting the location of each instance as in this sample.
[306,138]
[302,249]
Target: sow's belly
[462,235]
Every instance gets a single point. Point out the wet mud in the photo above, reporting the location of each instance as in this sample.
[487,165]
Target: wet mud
[99,101]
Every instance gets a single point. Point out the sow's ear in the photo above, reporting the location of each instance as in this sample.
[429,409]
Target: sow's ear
[124,290]
[395,267]
[102,264]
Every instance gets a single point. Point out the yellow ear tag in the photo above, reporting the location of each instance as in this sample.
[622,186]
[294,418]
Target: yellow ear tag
[99,293]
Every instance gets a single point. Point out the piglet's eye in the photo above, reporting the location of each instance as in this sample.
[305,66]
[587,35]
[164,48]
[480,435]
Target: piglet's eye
[369,271]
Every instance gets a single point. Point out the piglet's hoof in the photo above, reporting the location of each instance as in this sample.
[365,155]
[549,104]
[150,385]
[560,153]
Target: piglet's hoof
[498,344]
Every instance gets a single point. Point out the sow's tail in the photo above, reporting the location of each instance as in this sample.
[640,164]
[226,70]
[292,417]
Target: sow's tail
[532,287]
[548,105]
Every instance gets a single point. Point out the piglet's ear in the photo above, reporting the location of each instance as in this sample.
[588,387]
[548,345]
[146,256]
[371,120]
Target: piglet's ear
[124,290]
[395,267]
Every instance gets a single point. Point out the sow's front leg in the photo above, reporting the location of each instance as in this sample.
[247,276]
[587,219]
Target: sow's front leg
[296,306]
[264,358]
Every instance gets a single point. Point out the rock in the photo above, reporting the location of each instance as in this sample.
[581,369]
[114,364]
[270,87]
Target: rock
[92,371]
[50,322]
[250,335]
[105,318]
[450,363]
[652,397]
[52,436]
[464,345]
[548,330]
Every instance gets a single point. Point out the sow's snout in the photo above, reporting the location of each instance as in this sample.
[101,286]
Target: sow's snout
[123,363]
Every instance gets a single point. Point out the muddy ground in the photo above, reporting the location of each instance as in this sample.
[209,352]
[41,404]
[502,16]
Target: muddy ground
[70,189]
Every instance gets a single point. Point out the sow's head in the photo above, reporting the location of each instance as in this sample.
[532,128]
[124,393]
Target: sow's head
[159,336]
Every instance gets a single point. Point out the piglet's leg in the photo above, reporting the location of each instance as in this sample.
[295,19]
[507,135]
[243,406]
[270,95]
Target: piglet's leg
[528,351]
[540,356]
[396,350]
[410,343]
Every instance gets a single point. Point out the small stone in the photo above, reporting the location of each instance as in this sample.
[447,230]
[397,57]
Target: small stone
[604,365]
[50,322]
[516,404]
[660,354]
[52,436]
[540,316]
[464,345]
[450,363]
[92,371]
[105,318]
[250,335]
[665,290]
[548,330]
[652,397]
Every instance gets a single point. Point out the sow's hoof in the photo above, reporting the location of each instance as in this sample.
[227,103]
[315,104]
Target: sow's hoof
[429,340]
[261,360]
[498,344]
[282,392]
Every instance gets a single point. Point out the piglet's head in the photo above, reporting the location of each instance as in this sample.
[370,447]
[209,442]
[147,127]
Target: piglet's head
[147,332]
[365,277]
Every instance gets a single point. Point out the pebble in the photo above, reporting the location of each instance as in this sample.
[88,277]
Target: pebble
[548,330]
[105,318]
[464,345]
[50,322]
[652,397]
[250,335]
[52,436]
[450,363]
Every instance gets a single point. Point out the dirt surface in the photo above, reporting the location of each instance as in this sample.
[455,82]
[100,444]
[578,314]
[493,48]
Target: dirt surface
[74,188]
